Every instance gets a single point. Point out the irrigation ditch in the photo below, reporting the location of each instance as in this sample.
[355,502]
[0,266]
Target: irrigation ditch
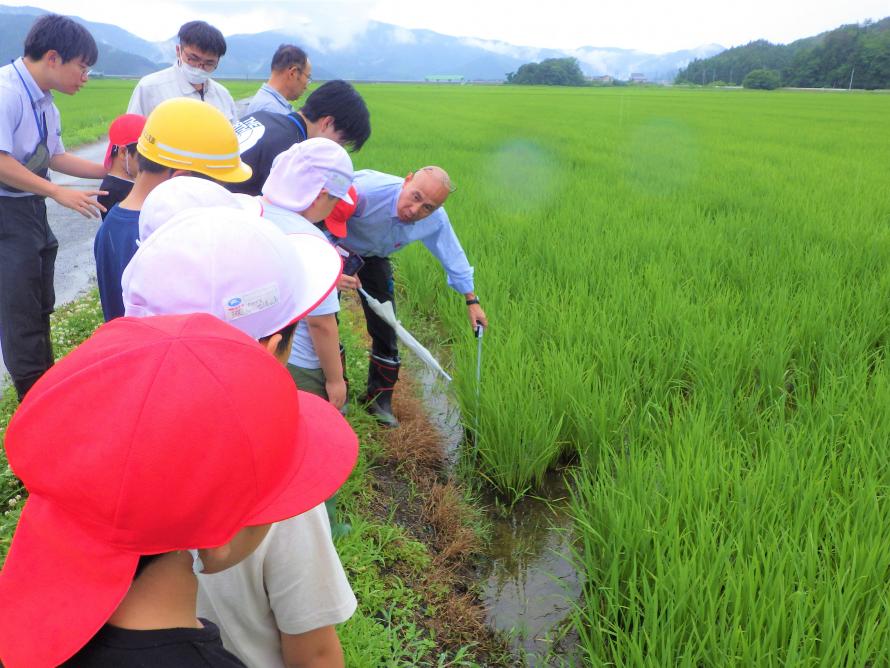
[527,579]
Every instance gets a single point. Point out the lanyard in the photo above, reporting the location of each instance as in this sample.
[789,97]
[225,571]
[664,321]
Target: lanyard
[40,128]
[299,127]
[278,98]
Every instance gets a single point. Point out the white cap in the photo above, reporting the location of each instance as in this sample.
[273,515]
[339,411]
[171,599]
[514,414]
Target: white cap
[233,265]
[299,173]
[184,192]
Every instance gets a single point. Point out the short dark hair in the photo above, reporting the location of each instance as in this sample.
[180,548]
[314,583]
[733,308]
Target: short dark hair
[287,56]
[59,33]
[203,36]
[131,149]
[144,561]
[287,338]
[339,99]
[150,166]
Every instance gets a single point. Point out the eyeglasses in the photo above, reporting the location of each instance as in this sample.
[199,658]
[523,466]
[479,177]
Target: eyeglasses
[85,70]
[308,77]
[195,61]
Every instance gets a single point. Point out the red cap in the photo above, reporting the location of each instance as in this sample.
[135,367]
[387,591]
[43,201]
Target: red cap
[157,434]
[336,221]
[123,130]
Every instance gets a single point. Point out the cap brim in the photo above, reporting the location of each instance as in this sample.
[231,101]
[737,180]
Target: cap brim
[235,175]
[107,162]
[321,266]
[336,226]
[331,452]
[59,586]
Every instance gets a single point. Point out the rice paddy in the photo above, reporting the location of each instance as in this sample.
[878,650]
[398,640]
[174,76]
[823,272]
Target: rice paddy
[688,302]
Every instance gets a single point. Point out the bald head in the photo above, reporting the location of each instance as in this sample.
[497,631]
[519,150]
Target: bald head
[422,193]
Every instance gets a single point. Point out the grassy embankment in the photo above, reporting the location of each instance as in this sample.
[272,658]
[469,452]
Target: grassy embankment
[413,533]
[688,294]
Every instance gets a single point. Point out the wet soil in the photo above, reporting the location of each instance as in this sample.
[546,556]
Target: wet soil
[529,583]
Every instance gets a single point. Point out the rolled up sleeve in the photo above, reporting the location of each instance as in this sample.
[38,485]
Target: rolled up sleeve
[445,246]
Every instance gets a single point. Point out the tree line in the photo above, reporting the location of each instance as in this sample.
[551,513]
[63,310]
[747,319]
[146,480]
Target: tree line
[550,72]
[829,60]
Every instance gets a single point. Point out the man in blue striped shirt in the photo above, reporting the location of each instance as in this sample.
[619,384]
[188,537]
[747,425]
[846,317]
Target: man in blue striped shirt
[391,213]
[291,73]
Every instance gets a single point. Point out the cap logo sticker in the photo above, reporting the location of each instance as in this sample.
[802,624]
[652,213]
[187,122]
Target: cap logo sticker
[252,302]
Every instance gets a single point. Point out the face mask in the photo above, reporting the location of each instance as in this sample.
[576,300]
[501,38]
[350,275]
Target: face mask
[194,75]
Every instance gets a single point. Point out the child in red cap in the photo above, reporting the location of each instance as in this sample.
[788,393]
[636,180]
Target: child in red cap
[120,159]
[280,606]
[175,437]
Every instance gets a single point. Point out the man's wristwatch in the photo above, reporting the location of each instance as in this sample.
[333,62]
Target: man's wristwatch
[474,300]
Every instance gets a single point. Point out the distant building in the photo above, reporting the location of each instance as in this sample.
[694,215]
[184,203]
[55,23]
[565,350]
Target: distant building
[637,77]
[445,78]
[604,79]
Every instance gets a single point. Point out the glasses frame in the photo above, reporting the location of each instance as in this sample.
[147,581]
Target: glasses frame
[196,61]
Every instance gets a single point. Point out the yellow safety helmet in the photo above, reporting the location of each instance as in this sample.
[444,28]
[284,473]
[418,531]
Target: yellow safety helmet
[187,134]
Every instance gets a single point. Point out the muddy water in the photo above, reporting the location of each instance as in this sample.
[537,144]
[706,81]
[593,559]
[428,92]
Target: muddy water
[529,585]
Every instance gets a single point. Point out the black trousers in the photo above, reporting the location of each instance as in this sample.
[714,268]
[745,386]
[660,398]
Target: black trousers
[376,278]
[27,264]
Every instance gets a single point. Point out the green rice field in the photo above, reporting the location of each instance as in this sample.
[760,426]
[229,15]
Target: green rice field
[688,295]
[86,115]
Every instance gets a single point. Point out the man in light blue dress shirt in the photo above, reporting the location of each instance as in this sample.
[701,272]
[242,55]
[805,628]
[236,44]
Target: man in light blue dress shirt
[291,73]
[391,213]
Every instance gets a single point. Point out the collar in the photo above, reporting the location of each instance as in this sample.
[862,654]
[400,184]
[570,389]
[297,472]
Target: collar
[392,209]
[278,96]
[37,94]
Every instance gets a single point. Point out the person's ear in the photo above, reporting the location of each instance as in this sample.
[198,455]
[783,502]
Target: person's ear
[272,342]
[409,177]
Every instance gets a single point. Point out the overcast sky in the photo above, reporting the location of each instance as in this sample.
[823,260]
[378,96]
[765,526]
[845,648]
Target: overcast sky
[654,26]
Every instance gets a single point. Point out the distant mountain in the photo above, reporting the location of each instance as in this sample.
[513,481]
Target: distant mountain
[827,60]
[382,52]
[120,52]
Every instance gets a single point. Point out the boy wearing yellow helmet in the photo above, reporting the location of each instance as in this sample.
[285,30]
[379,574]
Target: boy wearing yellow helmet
[181,136]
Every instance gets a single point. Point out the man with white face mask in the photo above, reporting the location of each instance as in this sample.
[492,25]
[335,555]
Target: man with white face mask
[197,56]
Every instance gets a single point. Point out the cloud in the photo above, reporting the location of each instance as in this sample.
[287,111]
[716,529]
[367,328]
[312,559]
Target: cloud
[502,48]
[324,26]
[402,36]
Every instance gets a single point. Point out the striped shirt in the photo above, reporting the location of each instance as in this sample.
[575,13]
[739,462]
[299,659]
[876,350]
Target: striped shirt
[269,99]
